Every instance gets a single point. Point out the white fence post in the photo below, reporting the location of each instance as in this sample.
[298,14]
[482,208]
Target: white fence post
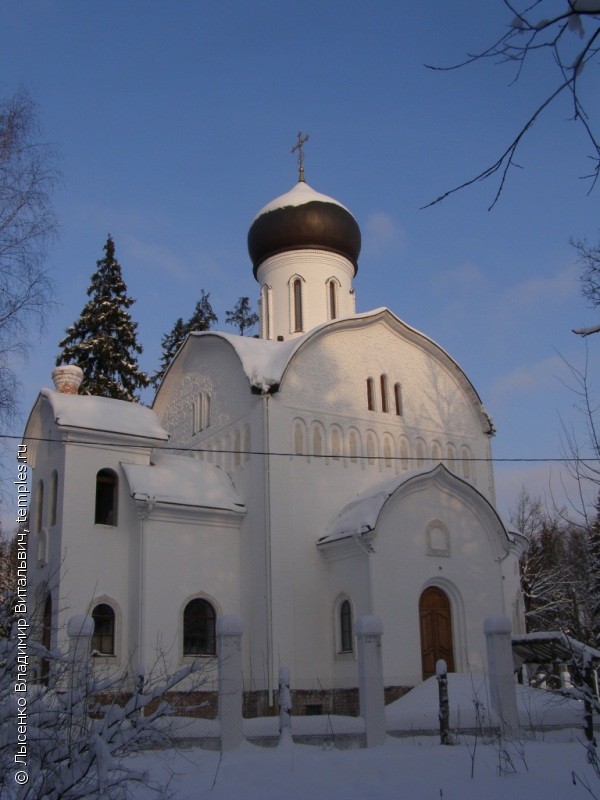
[498,629]
[229,635]
[370,678]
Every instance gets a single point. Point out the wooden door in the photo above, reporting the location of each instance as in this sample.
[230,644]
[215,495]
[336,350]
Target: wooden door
[436,630]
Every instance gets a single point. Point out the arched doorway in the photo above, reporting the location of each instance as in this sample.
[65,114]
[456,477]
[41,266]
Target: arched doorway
[436,630]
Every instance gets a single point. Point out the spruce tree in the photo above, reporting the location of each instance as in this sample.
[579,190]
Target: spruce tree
[103,340]
[202,319]
[242,316]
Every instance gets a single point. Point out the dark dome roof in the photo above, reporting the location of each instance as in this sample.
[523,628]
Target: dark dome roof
[303,219]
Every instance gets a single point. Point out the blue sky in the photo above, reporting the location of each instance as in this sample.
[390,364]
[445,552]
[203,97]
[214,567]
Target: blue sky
[175,122]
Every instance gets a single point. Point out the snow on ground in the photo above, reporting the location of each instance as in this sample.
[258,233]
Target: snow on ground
[399,770]
[414,767]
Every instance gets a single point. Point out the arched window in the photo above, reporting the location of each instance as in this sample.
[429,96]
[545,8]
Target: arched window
[370,394]
[53,497]
[199,634]
[436,453]
[297,297]
[107,491]
[398,399]
[103,639]
[332,299]
[346,643]
[39,507]
[384,394]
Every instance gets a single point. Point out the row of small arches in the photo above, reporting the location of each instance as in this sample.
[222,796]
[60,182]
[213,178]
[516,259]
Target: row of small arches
[230,450]
[351,445]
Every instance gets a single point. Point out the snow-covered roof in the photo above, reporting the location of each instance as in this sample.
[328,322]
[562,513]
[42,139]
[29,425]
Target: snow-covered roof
[104,414]
[298,195]
[360,515]
[182,480]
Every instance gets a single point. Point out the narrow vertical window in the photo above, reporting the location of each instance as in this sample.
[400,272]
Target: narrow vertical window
[197,414]
[370,394]
[107,486]
[199,629]
[436,454]
[332,299]
[247,444]
[297,288]
[384,394]
[346,627]
[206,410]
[103,639]
[53,497]
[39,507]
[398,399]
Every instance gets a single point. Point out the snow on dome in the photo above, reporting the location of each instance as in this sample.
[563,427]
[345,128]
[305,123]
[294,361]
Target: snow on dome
[298,195]
[104,414]
[182,480]
[303,219]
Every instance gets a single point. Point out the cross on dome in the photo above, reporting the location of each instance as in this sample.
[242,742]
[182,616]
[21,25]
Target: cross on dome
[302,139]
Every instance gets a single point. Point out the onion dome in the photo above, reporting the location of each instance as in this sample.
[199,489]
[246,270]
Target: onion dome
[303,219]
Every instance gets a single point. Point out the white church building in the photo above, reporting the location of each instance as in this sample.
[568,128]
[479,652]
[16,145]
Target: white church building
[335,466]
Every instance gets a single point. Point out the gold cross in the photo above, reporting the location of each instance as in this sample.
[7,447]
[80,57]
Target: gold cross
[302,139]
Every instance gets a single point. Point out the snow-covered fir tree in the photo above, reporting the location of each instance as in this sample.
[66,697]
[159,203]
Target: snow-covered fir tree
[103,341]
[202,319]
[242,316]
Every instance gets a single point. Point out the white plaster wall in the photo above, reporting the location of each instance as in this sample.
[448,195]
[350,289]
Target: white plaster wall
[95,558]
[402,568]
[326,382]
[184,559]
[314,268]
[209,364]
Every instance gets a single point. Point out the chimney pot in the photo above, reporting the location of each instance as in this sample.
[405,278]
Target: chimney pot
[67,378]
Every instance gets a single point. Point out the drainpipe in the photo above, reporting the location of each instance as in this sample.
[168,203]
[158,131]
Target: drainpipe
[268,577]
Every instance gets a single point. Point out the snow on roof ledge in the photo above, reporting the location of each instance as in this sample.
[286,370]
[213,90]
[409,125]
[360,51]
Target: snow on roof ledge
[184,481]
[104,414]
